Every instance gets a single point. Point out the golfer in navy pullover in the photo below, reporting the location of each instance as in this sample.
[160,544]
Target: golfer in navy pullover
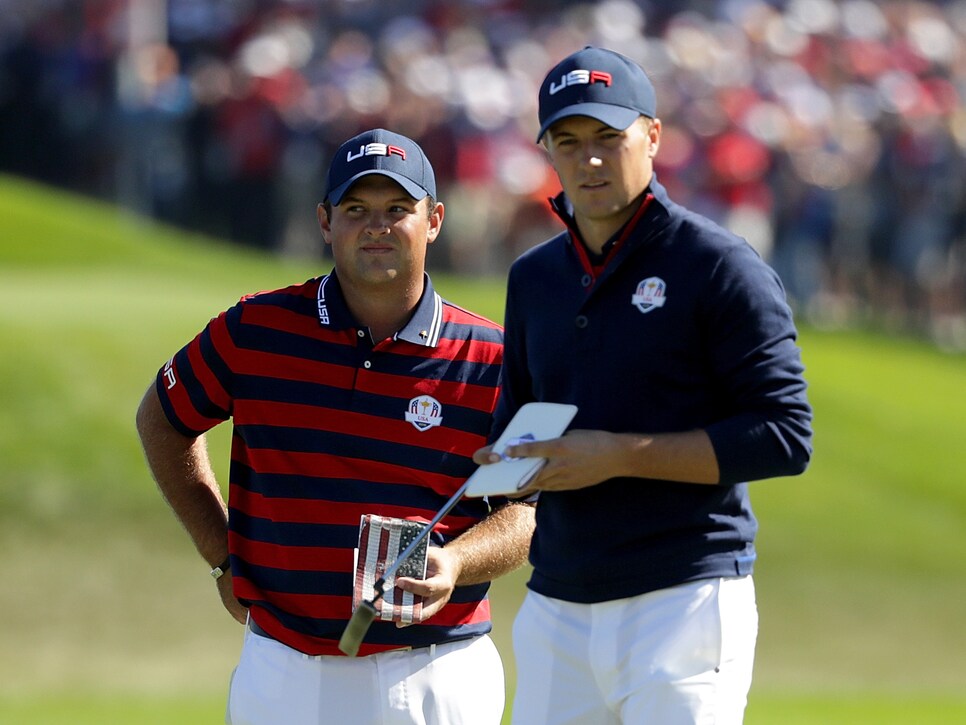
[674,339]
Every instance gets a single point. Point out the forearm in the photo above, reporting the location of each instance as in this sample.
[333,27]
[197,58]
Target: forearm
[496,546]
[584,458]
[686,457]
[182,469]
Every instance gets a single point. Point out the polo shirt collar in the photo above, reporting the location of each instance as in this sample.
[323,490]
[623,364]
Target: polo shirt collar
[423,328]
[426,324]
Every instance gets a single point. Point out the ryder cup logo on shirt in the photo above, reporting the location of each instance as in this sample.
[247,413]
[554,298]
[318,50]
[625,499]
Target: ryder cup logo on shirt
[651,294]
[424,412]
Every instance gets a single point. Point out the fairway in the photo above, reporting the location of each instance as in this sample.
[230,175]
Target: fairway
[109,616]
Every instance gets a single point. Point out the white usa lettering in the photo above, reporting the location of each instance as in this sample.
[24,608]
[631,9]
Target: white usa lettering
[376,149]
[580,77]
[168,373]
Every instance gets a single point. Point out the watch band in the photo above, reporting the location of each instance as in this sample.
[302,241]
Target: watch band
[220,570]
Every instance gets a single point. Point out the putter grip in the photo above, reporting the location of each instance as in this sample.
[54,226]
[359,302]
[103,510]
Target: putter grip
[356,629]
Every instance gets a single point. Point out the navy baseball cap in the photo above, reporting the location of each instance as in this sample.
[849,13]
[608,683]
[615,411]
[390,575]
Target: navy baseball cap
[599,83]
[380,152]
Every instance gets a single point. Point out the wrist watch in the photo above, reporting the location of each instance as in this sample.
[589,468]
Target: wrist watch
[220,570]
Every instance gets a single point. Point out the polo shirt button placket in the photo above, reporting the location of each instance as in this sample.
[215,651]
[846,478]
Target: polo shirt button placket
[361,333]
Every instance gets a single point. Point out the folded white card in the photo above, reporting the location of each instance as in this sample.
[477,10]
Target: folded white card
[533,422]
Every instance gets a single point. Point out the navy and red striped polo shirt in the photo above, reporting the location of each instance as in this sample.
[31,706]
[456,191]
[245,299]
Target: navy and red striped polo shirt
[328,427]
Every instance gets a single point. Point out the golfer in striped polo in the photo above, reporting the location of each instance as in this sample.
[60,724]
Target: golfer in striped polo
[356,396]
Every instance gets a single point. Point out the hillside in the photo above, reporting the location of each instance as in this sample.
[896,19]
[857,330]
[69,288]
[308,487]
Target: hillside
[862,571]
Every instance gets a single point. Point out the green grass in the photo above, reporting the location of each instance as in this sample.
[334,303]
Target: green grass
[109,615]
[104,710]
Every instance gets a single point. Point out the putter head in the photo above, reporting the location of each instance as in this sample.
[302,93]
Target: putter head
[355,630]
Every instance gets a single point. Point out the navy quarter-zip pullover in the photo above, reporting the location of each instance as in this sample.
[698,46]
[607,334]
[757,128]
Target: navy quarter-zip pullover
[682,326]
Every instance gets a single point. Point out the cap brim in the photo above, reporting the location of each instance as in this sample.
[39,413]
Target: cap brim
[617,117]
[410,187]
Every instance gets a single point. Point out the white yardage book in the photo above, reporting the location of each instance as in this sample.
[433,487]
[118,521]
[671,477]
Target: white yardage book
[533,422]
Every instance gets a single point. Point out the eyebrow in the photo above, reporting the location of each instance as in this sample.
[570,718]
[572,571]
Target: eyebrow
[404,198]
[597,129]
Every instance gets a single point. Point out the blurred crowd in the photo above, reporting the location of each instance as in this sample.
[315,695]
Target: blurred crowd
[831,135]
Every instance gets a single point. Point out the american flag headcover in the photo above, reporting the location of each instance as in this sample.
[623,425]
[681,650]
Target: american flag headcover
[381,540]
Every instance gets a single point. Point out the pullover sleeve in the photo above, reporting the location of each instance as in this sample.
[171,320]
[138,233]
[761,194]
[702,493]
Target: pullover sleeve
[756,360]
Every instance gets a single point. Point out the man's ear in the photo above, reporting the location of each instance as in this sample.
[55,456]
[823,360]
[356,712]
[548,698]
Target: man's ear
[324,225]
[654,137]
[435,222]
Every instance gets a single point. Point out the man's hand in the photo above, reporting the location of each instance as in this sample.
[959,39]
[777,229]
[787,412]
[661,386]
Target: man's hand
[493,547]
[579,459]
[442,571]
[583,458]
[235,608]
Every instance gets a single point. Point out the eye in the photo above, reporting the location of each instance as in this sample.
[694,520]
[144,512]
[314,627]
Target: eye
[402,209]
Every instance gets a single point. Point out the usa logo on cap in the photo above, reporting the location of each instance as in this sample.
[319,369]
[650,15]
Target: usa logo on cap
[580,78]
[651,293]
[376,149]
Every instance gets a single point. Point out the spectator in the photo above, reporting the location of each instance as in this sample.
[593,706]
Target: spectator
[825,98]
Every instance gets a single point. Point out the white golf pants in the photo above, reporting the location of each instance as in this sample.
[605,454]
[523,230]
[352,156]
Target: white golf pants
[678,656]
[460,683]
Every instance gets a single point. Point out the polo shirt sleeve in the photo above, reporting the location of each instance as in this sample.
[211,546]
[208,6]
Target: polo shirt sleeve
[758,369]
[195,385]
